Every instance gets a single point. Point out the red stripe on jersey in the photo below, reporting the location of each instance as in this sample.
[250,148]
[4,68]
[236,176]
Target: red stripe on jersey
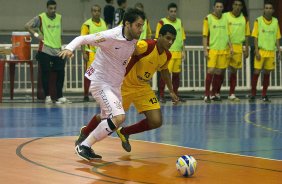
[135,58]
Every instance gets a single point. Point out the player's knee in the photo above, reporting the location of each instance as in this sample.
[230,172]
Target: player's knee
[155,123]
[118,120]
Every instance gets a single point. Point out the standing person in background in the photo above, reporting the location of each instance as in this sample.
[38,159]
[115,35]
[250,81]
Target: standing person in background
[147,32]
[215,28]
[177,50]
[119,12]
[266,35]
[106,74]
[93,25]
[49,25]
[109,13]
[239,33]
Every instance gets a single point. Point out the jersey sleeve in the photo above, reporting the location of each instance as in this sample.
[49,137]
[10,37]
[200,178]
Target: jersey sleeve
[141,47]
[247,31]
[183,33]
[168,57]
[84,29]
[96,39]
[159,26]
[205,27]
[255,29]
[278,35]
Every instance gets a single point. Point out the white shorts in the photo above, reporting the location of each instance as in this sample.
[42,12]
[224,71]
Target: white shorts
[108,98]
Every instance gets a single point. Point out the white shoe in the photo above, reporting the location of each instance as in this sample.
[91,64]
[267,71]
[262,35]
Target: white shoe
[233,98]
[63,100]
[48,100]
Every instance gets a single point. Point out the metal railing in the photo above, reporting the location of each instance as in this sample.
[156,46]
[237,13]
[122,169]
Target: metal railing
[192,76]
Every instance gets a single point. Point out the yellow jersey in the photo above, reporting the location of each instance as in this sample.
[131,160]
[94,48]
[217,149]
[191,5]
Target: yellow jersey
[144,63]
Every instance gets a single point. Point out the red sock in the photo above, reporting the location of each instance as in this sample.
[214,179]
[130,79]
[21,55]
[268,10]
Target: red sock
[175,82]
[86,86]
[233,80]
[208,83]
[93,123]
[141,126]
[220,82]
[161,87]
[215,84]
[254,84]
[265,84]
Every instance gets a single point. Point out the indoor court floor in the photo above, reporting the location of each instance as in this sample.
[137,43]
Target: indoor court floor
[232,143]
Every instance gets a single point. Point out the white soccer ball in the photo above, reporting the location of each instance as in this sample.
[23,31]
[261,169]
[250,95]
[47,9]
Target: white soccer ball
[186,165]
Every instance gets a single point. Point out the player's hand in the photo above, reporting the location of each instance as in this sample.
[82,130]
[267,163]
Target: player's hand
[206,54]
[183,55]
[258,56]
[174,97]
[279,56]
[231,51]
[85,57]
[65,54]
[246,53]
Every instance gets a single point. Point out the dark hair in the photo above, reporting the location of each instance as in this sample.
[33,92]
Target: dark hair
[171,5]
[139,5]
[218,1]
[167,28]
[95,5]
[120,2]
[268,2]
[51,2]
[244,9]
[132,14]
[108,1]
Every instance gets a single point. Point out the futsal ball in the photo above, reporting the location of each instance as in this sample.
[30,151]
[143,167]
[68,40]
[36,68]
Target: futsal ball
[186,165]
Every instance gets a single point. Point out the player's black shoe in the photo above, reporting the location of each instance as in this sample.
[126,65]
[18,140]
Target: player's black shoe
[86,153]
[124,140]
[252,99]
[81,137]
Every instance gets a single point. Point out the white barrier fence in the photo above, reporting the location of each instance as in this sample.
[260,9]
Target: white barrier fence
[192,76]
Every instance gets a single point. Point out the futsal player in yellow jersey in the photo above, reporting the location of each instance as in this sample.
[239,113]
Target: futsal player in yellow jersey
[93,25]
[216,33]
[266,35]
[150,56]
[177,49]
[239,34]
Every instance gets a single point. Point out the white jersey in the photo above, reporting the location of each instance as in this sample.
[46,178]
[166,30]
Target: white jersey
[111,58]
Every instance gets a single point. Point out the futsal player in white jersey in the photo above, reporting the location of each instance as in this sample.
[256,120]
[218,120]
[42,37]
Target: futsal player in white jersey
[106,74]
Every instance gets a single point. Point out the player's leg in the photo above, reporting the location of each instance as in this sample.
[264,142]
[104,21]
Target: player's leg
[235,64]
[44,62]
[59,68]
[176,70]
[112,115]
[221,65]
[269,66]
[145,102]
[258,64]
[211,63]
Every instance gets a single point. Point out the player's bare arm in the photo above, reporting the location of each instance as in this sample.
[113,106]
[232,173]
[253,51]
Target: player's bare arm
[166,77]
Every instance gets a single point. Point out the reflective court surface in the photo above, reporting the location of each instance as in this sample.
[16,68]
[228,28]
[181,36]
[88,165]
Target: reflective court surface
[232,142]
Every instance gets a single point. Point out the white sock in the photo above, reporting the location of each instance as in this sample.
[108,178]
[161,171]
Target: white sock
[102,131]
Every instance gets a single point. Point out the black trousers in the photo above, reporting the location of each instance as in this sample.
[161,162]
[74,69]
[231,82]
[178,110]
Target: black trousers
[50,64]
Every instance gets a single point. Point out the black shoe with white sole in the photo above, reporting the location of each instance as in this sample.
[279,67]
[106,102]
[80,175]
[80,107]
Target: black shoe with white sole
[86,153]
